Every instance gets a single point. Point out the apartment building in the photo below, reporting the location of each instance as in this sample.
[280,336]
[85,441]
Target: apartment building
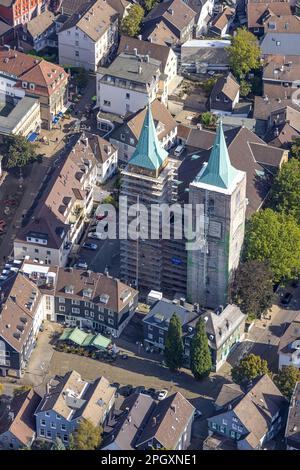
[289,345]
[21,316]
[69,400]
[24,75]
[129,84]
[58,220]
[159,52]
[89,36]
[23,118]
[16,12]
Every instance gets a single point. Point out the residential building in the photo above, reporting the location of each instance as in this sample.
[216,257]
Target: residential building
[224,327]
[59,217]
[164,54]
[220,25]
[17,424]
[92,300]
[106,154]
[204,55]
[89,36]
[228,396]
[22,75]
[281,78]
[204,12]
[7,33]
[224,95]
[247,152]
[280,44]
[16,12]
[129,84]
[292,437]
[289,345]
[169,426]
[125,137]
[264,17]
[69,400]
[66,7]
[283,127]
[23,116]
[255,419]
[21,317]
[176,16]
[41,31]
[221,189]
[141,424]
[149,178]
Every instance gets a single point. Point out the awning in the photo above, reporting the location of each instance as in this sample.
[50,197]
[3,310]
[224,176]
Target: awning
[32,137]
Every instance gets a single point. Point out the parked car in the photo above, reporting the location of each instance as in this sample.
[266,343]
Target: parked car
[178,151]
[127,390]
[90,246]
[162,394]
[140,389]
[286,298]
[96,235]
[81,264]
[150,391]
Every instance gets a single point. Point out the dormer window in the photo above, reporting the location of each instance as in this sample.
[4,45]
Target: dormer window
[31,86]
[69,289]
[24,84]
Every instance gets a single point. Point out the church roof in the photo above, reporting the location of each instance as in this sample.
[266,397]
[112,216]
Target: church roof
[218,171]
[149,153]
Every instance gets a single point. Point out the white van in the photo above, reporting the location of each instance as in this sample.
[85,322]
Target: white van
[178,151]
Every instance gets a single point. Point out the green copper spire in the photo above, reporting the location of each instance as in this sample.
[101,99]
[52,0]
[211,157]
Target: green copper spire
[218,171]
[149,153]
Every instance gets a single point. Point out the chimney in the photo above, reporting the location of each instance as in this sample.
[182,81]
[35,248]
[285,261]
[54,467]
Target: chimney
[173,408]
[135,51]
[154,421]
[140,37]
[171,11]
[147,58]
[276,132]
[140,70]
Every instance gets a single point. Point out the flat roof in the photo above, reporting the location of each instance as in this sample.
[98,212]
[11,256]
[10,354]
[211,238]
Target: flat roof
[24,105]
[204,43]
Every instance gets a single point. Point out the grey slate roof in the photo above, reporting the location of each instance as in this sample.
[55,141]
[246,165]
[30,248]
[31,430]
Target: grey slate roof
[220,326]
[23,106]
[161,313]
[280,44]
[292,431]
[126,66]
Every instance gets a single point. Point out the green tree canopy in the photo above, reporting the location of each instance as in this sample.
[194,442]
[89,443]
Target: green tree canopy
[208,119]
[285,193]
[245,88]
[148,4]
[295,148]
[86,436]
[200,357]
[131,23]
[20,152]
[244,53]
[287,379]
[252,287]
[249,368]
[275,238]
[174,344]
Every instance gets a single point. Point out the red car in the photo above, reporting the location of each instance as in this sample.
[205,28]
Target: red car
[101,217]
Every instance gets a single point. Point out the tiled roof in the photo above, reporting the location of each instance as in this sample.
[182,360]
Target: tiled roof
[291,334]
[22,427]
[259,13]
[226,85]
[167,422]
[175,12]
[40,23]
[92,18]
[159,33]
[223,18]
[156,51]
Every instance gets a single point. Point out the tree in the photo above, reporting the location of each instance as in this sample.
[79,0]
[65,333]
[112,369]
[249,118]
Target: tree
[148,4]
[274,237]
[208,119]
[132,22]
[295,149]
[20,152]
[252,287]
[249,368]
[86,436]
[174,344]
[244,53]
[200,356]
[22,389]
[287,379]
[245,88]
[285,192]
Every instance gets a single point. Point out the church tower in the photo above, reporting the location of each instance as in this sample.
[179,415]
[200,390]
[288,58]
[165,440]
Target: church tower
[221,189]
